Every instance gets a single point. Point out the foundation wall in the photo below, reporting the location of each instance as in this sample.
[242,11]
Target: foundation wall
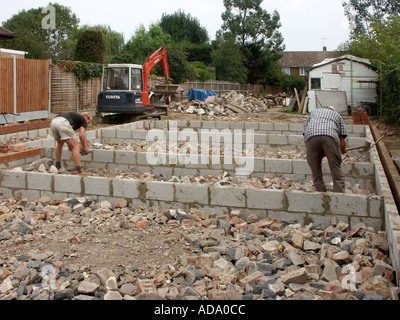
[378,211]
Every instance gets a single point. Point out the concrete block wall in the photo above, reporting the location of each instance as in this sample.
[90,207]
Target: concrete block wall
[378,211]
[302,207]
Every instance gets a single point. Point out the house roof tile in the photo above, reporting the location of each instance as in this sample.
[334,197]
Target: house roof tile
[6,34]
[305,59]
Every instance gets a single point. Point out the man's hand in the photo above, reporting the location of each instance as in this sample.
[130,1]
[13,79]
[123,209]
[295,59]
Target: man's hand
[85,151]
[343,145]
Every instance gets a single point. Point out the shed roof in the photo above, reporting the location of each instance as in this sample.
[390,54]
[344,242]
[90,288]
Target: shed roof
[6,34]
[348,57]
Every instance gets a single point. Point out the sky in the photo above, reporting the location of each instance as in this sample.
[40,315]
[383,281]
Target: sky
[307,25]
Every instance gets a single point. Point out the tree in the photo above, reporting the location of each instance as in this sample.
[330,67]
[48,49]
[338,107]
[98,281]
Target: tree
[381,45]
[228,60]
[90,47]
[251,24]
[256,32]
[40,42]
[184,28]
[143,43]
[359,12]
[114,42]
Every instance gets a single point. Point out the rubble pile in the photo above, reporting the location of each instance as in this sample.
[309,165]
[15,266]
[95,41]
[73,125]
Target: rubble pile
[227,104]
[78,249]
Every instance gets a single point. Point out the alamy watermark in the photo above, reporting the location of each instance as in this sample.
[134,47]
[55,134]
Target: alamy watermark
[205,147]
[49,21]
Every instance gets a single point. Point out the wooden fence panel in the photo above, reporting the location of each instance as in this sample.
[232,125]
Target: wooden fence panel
[63,91]
[67,96]
[32,85]
[6,86]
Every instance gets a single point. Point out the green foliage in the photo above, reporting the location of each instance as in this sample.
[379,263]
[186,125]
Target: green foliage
[90,47]
[381,45]
[113,41]
[290,82]
[82,70]
[228,60]
[142,44]
[183,28]
[201,71]
[360,12]
[41,43]
[198,52]
[256,32]
[180,69]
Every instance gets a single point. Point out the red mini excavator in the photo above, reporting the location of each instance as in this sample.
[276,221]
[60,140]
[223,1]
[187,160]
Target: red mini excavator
[125,95]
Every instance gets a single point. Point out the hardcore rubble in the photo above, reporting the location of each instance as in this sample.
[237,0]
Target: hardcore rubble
[80,249]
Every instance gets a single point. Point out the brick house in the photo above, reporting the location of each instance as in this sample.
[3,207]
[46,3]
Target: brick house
[299,63]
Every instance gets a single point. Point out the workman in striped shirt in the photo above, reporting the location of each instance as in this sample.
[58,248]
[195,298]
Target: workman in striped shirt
[325,134]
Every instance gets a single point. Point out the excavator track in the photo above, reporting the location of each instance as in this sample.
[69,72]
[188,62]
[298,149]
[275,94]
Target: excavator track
[156,113]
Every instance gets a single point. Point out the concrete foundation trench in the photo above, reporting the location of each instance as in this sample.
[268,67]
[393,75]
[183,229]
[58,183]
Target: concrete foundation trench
[226,149]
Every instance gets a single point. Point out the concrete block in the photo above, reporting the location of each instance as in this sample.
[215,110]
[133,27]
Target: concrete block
[108,133]
[324,220]
[195,124]
[347,204]
[192,194]
[280,127]
[103,156]
[305,202]
[124,188]
[376,207]
[13,179]
[40,181]
[237,125]
[124,134]
[125,157]
[140,135]
[288,216]
[297,127]
[297,142]
[228,197]
[279,166]
[49,143]
[251,126]
[162,191]
[266,126]
[97,186]
[221,125]
[265,199]
[279,140]
[260,139]
[68,184]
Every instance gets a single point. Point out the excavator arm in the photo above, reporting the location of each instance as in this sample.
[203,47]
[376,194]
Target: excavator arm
[159,56]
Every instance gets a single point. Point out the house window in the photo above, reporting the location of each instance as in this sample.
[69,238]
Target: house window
[304,71]
[286,71]
[316,83]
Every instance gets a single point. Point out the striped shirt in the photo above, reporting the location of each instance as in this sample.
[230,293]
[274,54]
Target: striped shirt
[325,122]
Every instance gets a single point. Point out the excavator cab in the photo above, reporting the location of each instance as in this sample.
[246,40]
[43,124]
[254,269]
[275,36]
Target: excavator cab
[125,91]
[122,89]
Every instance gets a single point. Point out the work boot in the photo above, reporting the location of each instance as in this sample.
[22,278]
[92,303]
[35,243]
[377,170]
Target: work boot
[81,172]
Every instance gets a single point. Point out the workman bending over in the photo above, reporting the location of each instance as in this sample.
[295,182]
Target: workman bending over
[63,127]
[325,134]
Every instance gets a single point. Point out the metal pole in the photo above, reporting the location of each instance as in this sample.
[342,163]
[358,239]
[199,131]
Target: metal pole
[15,85]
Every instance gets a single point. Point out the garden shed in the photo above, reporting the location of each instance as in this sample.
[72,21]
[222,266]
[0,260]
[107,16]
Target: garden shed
[344,81]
